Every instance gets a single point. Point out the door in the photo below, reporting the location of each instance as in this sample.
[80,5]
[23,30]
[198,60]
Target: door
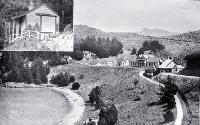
[48,24]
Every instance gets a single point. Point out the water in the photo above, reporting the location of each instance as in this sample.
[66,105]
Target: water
[31,106]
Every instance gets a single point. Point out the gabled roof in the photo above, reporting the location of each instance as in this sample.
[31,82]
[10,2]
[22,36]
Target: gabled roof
[25,13]
[167,64]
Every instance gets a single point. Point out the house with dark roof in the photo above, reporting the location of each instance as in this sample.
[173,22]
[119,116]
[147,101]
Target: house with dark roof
[42,16]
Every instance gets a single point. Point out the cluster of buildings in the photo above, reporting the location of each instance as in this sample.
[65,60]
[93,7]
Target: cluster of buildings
[149,62]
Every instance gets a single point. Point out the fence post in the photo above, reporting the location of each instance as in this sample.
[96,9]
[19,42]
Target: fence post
[29,34]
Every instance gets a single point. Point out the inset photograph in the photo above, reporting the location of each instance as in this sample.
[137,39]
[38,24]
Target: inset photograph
[36,25]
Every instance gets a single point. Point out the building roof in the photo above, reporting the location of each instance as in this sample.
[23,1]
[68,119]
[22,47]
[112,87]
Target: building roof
[25,13]
[145,56]
[44,14]
[167,64]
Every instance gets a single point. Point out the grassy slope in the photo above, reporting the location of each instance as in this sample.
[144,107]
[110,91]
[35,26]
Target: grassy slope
[119,88]
[190,88]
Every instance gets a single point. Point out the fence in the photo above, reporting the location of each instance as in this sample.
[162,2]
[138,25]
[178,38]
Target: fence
[29,34]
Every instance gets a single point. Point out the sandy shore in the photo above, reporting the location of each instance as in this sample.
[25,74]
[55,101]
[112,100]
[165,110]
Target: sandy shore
[77,103]
[25,85]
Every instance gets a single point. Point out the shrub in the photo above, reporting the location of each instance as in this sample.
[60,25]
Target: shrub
[94,95]
[75,86]
[108,115]
[62,79]
[72,78]
[167,93]
[37,81]
[136,81]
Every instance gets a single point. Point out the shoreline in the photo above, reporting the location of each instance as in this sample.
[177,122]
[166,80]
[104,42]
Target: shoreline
[76,101]
[25,85]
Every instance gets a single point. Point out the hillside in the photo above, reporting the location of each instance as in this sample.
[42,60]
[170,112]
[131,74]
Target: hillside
[117,85]
[156,32]
[128,40]
[181,44]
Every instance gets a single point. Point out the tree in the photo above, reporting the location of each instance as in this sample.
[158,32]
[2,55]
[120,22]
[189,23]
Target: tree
[108,115]
[140,51]
[134,51]
[75,86]
[27,75]
[153,46]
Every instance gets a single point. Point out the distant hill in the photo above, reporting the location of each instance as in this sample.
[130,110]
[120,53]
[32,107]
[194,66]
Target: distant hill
[178,45]
[155,32]
[129,40]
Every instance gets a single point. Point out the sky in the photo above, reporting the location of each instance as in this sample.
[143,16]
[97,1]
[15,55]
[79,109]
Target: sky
[134,15]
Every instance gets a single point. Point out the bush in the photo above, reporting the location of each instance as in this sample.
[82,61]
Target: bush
[62,79]
[94,95]
[167,94]
[136,81]
[75,86]
[108,115]
[37,81]
[72,78]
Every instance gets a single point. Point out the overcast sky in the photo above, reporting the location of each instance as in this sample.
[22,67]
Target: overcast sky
[133,15]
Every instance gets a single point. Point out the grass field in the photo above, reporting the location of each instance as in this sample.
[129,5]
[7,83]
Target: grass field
[189,88]
[117,86]
[32,106]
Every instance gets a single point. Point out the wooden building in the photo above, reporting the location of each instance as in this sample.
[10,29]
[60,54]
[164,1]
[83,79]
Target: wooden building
[169,66]
[42,16]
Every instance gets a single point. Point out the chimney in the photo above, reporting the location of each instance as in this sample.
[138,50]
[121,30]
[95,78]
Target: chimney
[31,6]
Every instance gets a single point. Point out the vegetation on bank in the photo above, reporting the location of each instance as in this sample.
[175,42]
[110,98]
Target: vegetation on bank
[62,79]
[14,69]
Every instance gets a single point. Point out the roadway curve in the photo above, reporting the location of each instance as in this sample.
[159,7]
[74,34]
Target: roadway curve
[179,108]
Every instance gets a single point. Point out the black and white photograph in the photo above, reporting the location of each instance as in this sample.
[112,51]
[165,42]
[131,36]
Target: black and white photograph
[99,62]
[36,25]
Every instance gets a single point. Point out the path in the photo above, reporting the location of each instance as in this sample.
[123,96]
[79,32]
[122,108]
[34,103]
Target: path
[179,108]
[184,76]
